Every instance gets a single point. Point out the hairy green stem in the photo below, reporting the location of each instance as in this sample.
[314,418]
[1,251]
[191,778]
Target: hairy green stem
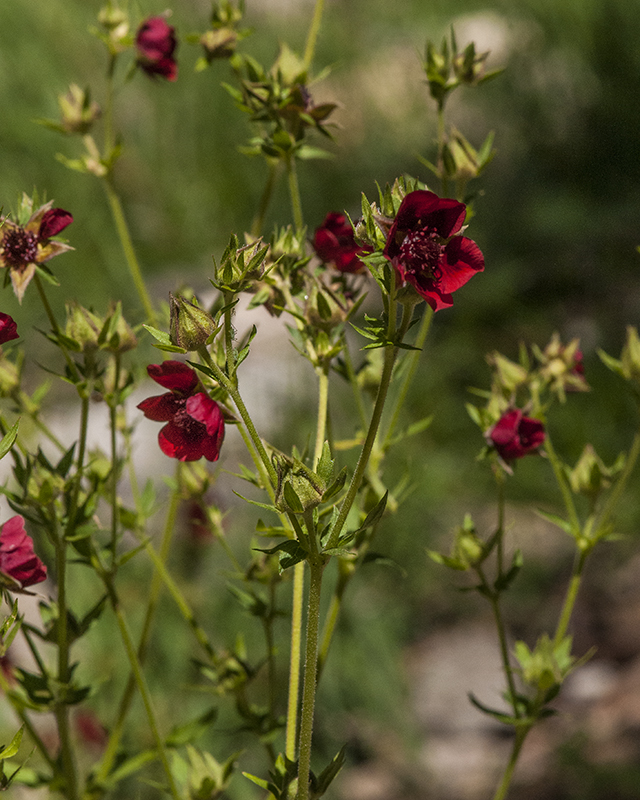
[127,246]
[323,403]
[115,737]
[61,710]
[614,497]
[230,387]
[143,689]
[312,36]
[294,193]
[294,661]
[265,200]
[563,484]
[391,352]
[505,783]
[316,571]
[55,327]
[571,595]
[414,360]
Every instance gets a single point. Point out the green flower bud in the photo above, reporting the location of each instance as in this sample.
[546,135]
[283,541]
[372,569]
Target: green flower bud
[590,476]
[9,377]
[77,111]
[299,489]
[508,375]
[219,43]
[190,325]
[630,356]
[117,336]
[324,310]
[83,327]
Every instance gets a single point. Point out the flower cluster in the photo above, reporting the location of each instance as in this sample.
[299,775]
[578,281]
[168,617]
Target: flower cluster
[515,435]
[426,249]
[156,44]
[18,560]
[195,424]
[23,247]
[335,244]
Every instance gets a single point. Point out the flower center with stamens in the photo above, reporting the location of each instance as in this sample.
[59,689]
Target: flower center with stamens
[19,247]
[420,252]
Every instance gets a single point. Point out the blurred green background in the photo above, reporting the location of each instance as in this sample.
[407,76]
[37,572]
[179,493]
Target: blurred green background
[557,221]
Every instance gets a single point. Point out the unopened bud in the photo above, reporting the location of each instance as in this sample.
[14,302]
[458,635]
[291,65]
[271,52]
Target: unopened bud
[78,112]
[83,327]
[190,325]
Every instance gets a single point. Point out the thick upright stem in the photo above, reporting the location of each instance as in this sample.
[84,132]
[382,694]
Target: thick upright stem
[316,569]
[294,660]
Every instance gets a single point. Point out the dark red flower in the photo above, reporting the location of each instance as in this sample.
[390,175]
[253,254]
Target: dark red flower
[195,423]
[515,435]
[334,242]
[8,328]
[156,44]
[17,557]
[426,252]
[22,247]
[90,729]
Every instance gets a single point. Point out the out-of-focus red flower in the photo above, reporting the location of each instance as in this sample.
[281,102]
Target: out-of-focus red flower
[195,425]
[17,557]
[156,44]
[515,435]
[8,328]
[335,244]
[90,729]
[426,252]
[23,247]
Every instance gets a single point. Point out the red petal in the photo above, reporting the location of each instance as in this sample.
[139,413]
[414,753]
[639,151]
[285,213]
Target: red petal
[175,444]
[207,411]
[423,209]
[53,221]
[8,328]
[162,407]
[174,375]
[462,259]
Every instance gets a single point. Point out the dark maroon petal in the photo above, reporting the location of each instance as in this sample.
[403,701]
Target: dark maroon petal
[462,259]
[531,433]
[8,328]
[156,43]
[162,407]
[53,221]
[183,442]
[514,435]
[174,375]
[428,290]
[423,209]
[17,556]
[156,38]
[335,243]
[203,409]
[325,244]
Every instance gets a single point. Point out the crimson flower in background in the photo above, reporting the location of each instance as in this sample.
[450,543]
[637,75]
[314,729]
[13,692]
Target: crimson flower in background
[17,557]
[156,44]
[426,252]
[8,328]
[23,247]
[515,435]
[195,425]
[334,243]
